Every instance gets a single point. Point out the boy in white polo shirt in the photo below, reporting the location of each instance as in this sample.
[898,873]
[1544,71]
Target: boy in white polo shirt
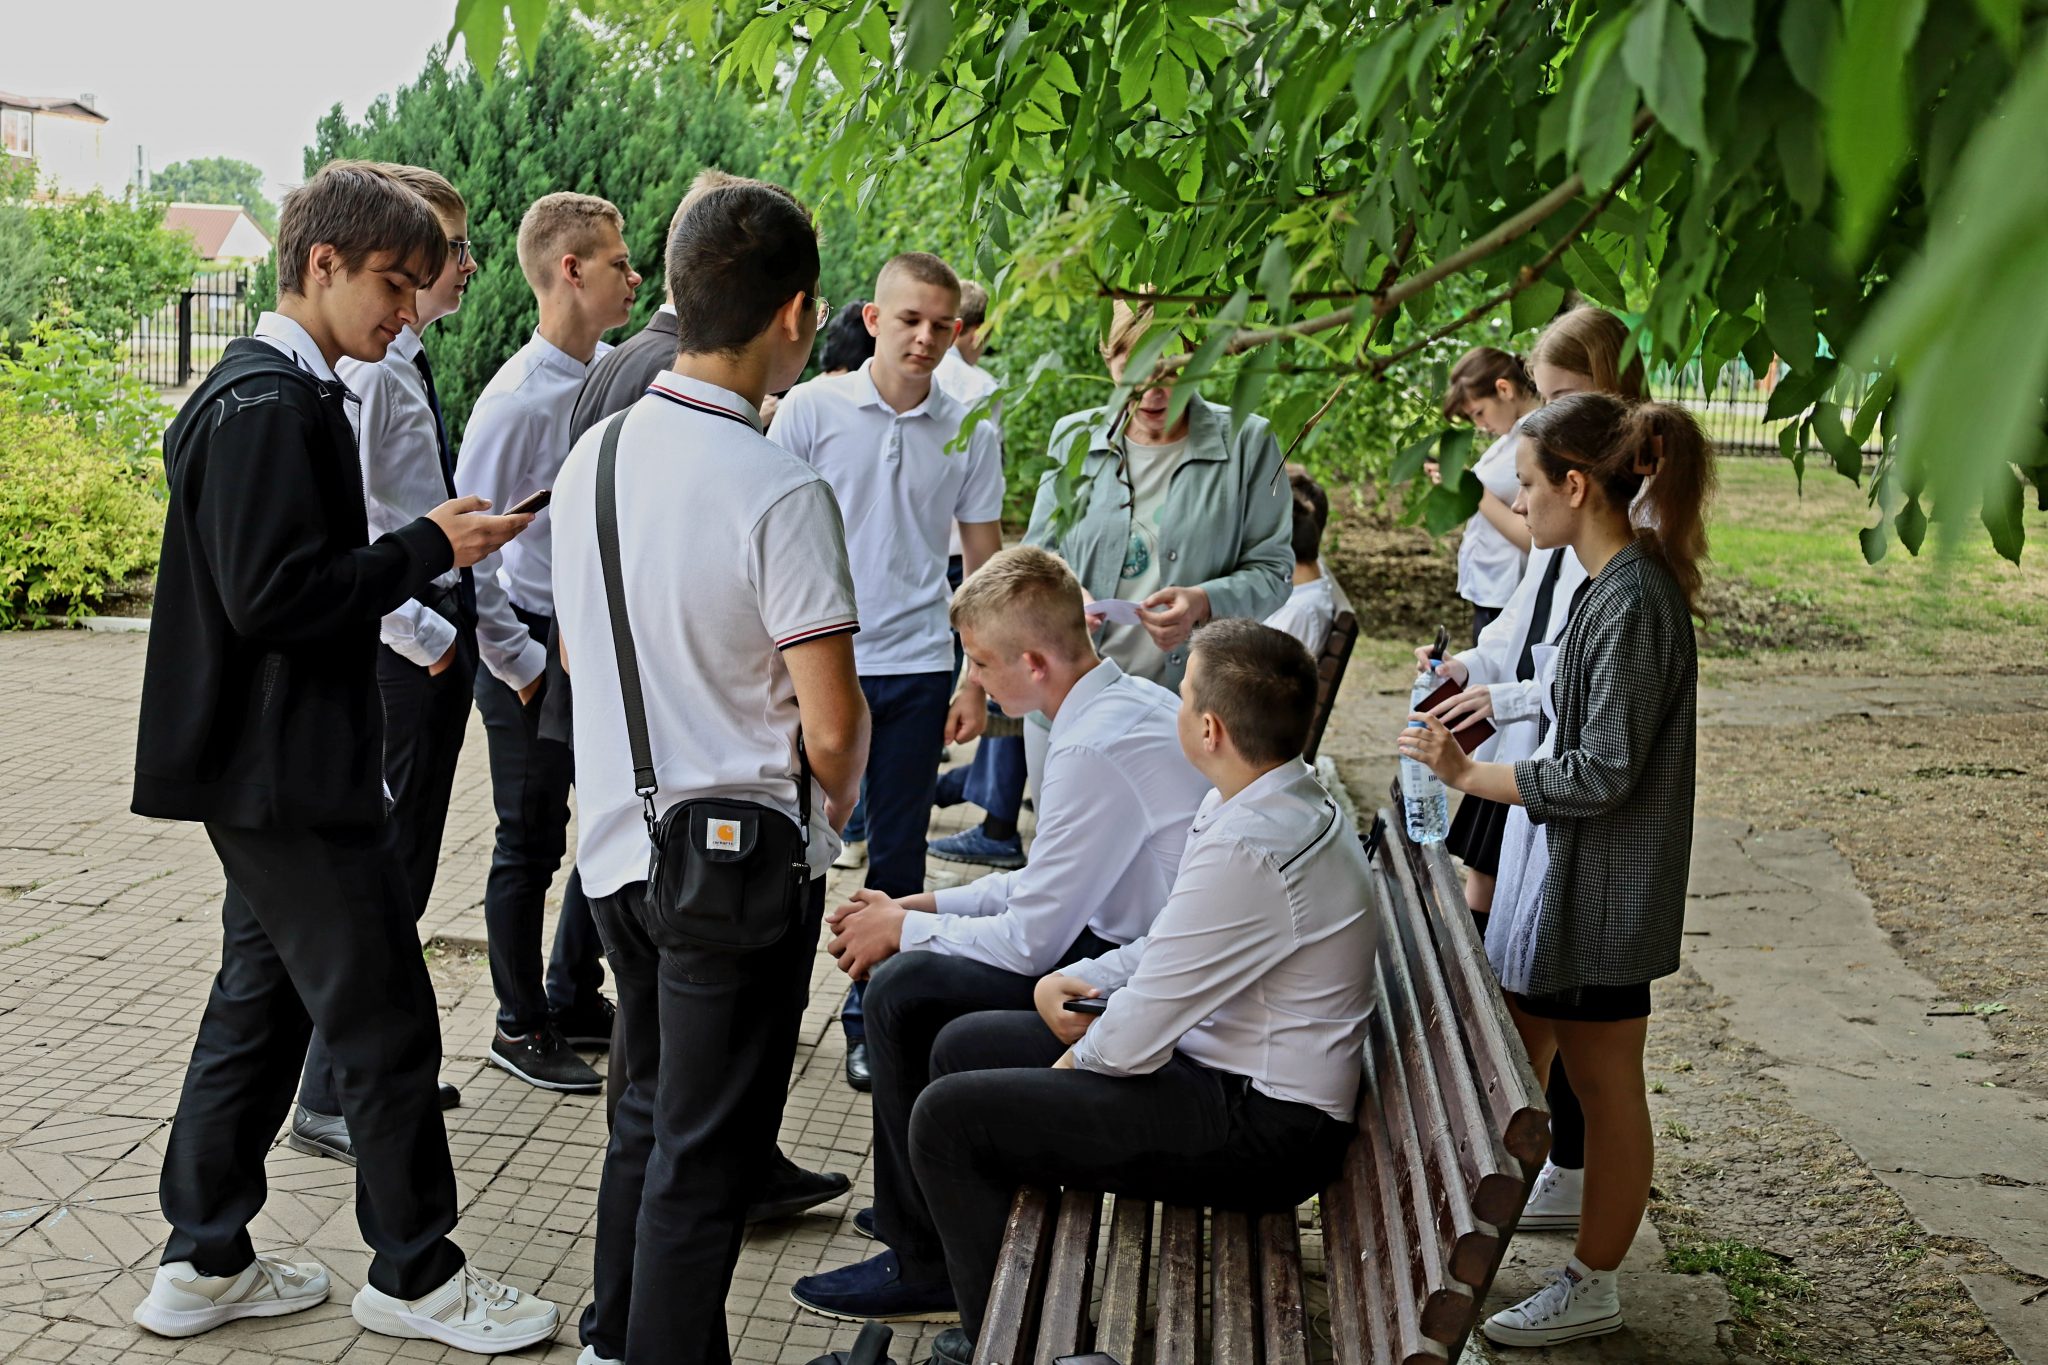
[1115,807]
[1310,607]
[743,631]
[573,253]
[879,437]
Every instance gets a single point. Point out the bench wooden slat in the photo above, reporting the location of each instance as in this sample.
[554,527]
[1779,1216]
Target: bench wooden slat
[1233,1297]
[1070,1278]
[1180,1286]
[1330,666]
[1121,1322]
[1381,1204]
[1283,1320]
[1010,1323]
[1495,1183]
[1353,1266]
[1499,1063]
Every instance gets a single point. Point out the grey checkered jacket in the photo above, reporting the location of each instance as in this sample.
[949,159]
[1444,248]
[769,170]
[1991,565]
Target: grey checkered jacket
[1617,795]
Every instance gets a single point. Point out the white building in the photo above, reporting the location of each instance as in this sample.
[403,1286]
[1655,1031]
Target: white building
[222,232]
[66,140]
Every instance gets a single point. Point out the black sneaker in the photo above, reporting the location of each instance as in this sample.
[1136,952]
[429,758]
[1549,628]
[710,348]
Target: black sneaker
[544,1058]
[589,1024]
[790,1189]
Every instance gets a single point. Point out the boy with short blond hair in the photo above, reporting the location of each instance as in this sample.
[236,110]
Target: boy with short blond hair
[573,253]
[261,719]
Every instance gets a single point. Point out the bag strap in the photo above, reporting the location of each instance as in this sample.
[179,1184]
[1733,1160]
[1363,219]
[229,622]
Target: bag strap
[645,783]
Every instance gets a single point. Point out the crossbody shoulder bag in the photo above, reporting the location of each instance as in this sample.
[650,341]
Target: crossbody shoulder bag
[723,874]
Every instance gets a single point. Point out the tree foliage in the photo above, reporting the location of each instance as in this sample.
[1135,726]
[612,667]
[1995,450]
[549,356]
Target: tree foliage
[218,180]
[1846,185]
[24,264]
[110,262]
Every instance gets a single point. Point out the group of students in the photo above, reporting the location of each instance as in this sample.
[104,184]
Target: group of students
[1168,999]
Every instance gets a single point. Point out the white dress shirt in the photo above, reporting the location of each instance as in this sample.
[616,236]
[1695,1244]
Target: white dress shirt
[731,552]
[967,385]
[517,438]
[1489,564]
[287,336]
[1307,613]
[1491,662]
[900,490]
[399,444]
[1114,808]
[1260,963]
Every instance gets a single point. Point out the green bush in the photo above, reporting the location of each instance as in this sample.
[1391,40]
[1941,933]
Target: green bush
[76,517]
[63,370]
[111,261]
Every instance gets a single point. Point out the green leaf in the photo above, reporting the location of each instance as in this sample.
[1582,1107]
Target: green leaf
[1134,80]
[1593,275]
[1251,384]
[1804,157]
[1788,322]
[1450,505]
[1911,524]
[873,27]
[1663,56]
[529,17]
[1147,183]
[1374,65]
[1807,33]
[1409,460]
[2002,17]
[928,31]
[483,34]
[1799,390]
[1170,89]
[1873,406]
[1603,110]
[1834,439]
[1224,327]
[1535,305]
[1060,72]
[1735,19]
[1866,105]
[1875,541]
[1276,282]
[1453,451]
[2001,514]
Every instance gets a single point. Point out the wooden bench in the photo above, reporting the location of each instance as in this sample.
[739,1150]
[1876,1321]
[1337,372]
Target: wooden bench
[1451,1131]
[1330,666]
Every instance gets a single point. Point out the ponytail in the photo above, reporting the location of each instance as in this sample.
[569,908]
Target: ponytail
[1619,446]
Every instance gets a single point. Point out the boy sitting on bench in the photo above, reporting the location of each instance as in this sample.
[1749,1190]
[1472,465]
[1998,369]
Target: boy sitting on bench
[1225,1067]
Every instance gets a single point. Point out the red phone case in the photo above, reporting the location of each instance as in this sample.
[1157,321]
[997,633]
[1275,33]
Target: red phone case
[1470,738]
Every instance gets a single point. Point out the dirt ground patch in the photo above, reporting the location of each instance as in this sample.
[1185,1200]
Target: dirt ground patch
[1827,1264]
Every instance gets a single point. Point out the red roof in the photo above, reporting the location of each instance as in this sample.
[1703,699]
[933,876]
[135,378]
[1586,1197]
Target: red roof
[208,224]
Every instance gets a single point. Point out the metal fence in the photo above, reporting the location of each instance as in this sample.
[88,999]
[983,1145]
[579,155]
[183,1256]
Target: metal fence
[181,341]
[1733,411]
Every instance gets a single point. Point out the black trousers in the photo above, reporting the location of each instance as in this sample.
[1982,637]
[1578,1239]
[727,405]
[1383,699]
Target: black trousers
[706,1040]
[424,722]
[998,1116]
[910,998]
[317,929]
[530,781]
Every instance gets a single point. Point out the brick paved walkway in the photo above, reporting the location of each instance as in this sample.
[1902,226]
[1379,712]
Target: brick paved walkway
[109,936]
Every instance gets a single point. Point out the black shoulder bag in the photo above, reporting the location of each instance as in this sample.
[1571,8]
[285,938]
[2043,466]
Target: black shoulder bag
[725,875]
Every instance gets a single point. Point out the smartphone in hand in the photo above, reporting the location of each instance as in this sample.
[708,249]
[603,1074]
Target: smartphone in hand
[1473,735]
[1083,1004]
[532,502]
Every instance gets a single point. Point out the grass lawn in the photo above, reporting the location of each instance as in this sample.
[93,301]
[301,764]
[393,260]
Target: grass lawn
[1796,561]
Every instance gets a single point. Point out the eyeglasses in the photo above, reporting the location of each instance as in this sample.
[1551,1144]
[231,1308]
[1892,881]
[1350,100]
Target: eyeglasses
[464,249]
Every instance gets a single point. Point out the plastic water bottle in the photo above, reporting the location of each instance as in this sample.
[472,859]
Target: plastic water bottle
[1424,803]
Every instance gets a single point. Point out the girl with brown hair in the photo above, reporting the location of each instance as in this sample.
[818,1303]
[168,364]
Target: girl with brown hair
[1490,389]
[1591,901]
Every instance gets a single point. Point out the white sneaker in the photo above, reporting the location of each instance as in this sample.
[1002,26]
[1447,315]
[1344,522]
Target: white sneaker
[1577,1303]
[591,1357]
[1554,1200]
[470,1311]
[183,1303]
[853,854]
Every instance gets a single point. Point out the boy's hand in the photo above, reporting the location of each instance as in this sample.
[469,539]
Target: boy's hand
[473,535]
[1051,995]
[866,932]
[967,717]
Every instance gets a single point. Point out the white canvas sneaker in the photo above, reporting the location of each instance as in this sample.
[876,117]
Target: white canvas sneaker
[1578,1302]
[853,854]
[1554,1200]
[470,1311]
[591,1357]
[183,1303]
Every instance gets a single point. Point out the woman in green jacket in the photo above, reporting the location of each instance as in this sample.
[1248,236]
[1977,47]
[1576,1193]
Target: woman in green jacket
[1192,521]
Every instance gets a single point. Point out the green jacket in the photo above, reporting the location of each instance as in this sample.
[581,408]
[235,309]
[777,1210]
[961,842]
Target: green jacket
[1227,526]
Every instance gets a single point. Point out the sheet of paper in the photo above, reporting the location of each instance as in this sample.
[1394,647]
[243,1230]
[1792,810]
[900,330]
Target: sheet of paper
[1116,609]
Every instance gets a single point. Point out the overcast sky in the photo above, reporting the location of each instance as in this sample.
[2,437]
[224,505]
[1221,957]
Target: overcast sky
[240,78]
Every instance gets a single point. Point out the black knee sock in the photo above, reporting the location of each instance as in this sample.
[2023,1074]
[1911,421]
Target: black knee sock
[1004,830]
[1567,1121]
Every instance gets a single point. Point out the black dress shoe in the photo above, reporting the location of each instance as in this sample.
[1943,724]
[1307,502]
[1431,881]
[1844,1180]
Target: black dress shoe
[791,1189]
[870,1349]
[450,1097]
[857,1074]
[320,1135]
[952,1347]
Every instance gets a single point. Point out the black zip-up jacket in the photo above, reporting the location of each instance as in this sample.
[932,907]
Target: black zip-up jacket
[259,698]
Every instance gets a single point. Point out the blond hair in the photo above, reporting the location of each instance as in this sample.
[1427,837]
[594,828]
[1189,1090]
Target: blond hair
[921,266]
[1126,325]
[1025,598]
[431,186]
[564,223]
[973,305]
[1590,341]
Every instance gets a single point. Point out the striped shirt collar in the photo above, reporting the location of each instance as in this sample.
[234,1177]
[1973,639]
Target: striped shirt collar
[708,399]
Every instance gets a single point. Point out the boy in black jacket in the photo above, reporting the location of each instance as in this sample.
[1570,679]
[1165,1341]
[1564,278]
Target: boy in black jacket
[260,718]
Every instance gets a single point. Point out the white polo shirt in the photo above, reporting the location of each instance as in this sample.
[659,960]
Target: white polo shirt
[732,551]
[1489,564]
[518,436]
[1308,613]
[900,490]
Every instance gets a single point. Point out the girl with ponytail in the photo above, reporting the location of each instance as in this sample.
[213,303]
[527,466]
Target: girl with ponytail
[1490,389]
[1591,900]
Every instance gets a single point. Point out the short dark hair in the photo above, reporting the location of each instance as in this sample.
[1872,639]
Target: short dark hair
[357,208]
[973,305]
[1260,682]
[739,254]
[848,343]
[1311,514]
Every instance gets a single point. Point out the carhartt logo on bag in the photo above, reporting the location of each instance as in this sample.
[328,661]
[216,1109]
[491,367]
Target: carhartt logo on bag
[722,836]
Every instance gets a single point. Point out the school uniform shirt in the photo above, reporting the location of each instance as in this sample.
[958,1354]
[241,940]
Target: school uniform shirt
[1489,564]
[1495,661]
[968,385]
[762,567]
[899,490]
[1307,613]
[1260,962]
[398,441]
[1114,807]
[517,438]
